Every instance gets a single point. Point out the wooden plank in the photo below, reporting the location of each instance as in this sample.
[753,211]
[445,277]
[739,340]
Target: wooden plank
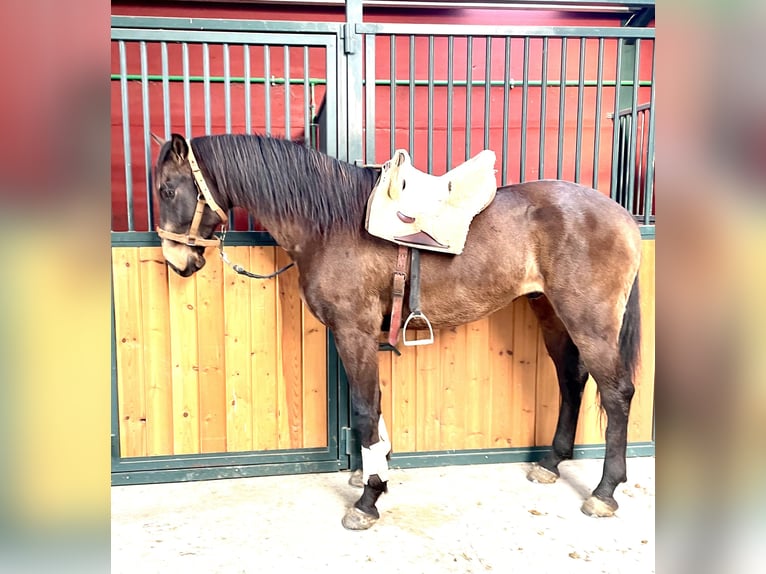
[523,389]
[264,356]
[501,367]
[184,367]
[129,349]
[156,335]
[477,386]
[314,381]
[385,375]
[237,345]
[641,421]
[429,383]
[212,376]
[404,399]
[548,396]
[290,342]
[452,389]
[592,422]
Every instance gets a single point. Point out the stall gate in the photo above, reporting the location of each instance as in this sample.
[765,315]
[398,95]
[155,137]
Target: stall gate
[219,375]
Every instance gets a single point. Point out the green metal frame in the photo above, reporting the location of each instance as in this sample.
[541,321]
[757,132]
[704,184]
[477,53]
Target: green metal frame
[347,142]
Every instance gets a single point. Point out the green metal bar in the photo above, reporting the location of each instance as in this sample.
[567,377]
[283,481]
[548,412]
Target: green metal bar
[386,82]
[126,135]
[267,86]
[151,239]
[524,100]
[506,102]
[509,455]
[516,31]
[599,97]
[562,112]
[450,88]
[487,87]
[430,134]
[543,111]
[578,137]
[468,86]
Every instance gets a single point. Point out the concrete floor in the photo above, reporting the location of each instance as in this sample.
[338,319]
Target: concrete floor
[458,519]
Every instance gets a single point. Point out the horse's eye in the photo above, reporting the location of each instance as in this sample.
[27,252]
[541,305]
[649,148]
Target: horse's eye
[166,192]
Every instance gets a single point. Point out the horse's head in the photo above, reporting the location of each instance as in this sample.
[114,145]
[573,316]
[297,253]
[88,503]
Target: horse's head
[188,215]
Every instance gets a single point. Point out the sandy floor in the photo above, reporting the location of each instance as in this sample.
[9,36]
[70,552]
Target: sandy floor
[459,519]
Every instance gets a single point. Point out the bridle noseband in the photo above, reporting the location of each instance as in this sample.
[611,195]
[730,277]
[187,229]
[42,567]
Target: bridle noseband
[192,238]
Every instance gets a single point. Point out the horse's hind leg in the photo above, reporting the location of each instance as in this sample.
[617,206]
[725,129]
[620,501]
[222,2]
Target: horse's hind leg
[572,377]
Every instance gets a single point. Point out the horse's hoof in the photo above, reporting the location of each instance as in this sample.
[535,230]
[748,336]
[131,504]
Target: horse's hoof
[355,479]
[355,519]
[542,475]
[599,508]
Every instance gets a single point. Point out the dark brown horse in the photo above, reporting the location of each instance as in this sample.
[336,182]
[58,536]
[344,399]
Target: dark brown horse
[572,251]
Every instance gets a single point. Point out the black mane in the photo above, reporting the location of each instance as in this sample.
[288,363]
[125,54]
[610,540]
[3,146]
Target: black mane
[286,181]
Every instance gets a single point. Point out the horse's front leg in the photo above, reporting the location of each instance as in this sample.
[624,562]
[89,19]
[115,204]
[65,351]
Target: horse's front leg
[359,352]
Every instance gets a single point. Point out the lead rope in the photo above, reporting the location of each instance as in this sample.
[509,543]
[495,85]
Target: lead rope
[241,270]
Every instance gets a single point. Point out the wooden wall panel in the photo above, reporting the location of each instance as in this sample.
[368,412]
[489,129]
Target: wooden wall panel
[220,362]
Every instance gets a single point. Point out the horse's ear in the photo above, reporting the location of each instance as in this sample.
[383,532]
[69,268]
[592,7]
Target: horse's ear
[179,147]
[157,139]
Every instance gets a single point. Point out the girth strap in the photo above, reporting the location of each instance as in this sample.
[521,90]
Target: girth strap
[397,293]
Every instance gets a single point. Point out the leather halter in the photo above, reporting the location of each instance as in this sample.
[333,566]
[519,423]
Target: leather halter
[204,197]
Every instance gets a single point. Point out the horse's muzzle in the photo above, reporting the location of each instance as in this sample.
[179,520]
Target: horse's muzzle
[194,263]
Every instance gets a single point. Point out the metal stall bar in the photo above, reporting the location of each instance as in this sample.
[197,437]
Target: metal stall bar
[308,101]
[543,111]
[450,87]
[392,96]
[165,89]
[506,100]
[147,136]
[430,135]
[287,90]
[524,98]
[649,178]
[206,85]
[126,135]
[369,98]
[615,124]
[580,89]
[562,112]
[248,89]
[487,89]
[267,86]
[187,91]
[412,99]
[599,96]
[227,87]
[631,163]
[468,84]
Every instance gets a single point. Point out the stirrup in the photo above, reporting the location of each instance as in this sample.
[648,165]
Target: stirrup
[415,342]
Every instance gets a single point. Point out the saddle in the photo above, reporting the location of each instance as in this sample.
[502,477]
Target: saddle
[416,209]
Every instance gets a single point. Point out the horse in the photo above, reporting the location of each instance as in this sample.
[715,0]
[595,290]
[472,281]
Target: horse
[570,250]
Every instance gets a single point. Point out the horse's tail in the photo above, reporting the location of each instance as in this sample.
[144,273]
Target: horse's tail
[630,332]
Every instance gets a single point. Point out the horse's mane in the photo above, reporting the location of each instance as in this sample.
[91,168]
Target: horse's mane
[286,181]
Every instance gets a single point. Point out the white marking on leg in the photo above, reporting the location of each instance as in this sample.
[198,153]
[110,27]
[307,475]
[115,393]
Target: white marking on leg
[374,458]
